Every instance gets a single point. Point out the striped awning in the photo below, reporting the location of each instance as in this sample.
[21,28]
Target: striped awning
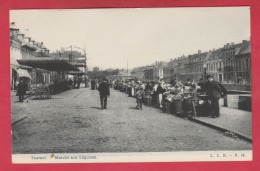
[48,64]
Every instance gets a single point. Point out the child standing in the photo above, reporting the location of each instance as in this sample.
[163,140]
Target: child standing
[139,97]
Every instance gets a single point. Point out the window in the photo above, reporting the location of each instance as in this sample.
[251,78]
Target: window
[239,64]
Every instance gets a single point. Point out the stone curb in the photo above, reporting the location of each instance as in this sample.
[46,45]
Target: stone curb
[240,135]
[22,118]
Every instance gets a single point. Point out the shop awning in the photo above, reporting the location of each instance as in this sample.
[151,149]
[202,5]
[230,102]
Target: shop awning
[77,64]
[49,64]
[23,73]
[78,73]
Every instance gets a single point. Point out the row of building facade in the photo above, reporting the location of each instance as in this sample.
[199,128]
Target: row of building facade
[32,61]
[230,64]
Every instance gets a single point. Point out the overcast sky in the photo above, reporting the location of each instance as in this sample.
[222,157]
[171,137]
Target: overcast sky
[141,36]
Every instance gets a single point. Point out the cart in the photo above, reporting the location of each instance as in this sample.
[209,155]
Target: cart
[43,92]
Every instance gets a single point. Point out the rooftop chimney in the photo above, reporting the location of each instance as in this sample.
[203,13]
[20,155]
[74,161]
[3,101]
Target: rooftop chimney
[13,30]
[26,33]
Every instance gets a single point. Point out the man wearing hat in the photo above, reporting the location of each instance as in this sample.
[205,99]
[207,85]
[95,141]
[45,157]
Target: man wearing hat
[215,91]
[104,92]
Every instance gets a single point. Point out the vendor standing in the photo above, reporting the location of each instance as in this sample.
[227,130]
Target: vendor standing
[160,91]
[154,94]
[215,91]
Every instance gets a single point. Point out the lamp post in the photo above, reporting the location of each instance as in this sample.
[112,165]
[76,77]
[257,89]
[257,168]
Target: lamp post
[85,65]
[85,70]
[205,71]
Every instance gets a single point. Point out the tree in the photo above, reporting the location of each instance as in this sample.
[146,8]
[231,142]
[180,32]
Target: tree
[95,69]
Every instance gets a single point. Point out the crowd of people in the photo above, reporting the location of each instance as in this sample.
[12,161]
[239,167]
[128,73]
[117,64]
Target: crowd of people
[182,99]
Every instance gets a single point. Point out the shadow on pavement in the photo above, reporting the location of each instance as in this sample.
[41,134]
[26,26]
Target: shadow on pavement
[99,108]
[132,108]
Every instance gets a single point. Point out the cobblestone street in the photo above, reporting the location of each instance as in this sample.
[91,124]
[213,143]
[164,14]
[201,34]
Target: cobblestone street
[72,122]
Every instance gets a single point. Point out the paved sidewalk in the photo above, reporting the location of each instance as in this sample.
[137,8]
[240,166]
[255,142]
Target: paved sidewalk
[22,114]
[24,108]
[231,121]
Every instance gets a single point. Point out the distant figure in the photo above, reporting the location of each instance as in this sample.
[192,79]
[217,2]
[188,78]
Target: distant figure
[154,94]
[104,92]
[93,85]
[79,82]
[97,84]
[75,81]
[215,91]
[188,83]
[140,94]
[174,83]
[21,91]
[110,84]
[70,82]
[160,91]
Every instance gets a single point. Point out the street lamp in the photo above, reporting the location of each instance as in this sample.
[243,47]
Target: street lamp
[85,63]
[85,70]
[205,71]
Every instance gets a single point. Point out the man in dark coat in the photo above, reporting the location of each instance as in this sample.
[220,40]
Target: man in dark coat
[215,91]
[21,91]
[93,85]
[104,92]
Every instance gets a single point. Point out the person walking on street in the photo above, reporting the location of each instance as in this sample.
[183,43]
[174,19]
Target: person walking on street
[104,92]
[215,91]
[21,90]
